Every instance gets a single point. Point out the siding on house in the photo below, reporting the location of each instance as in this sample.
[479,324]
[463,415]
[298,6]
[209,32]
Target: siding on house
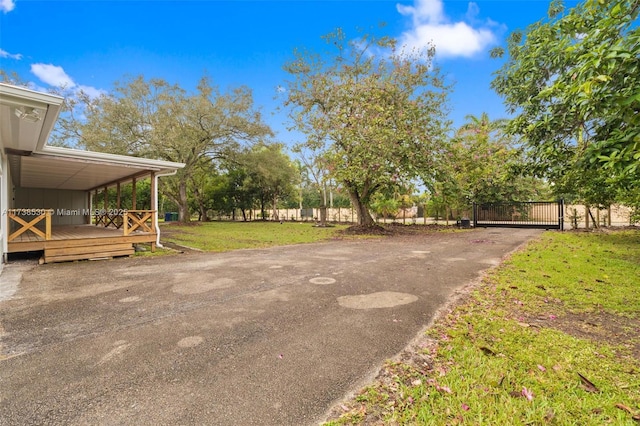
[67,205]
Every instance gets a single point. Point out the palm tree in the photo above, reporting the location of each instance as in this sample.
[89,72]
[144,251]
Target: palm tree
[481,126]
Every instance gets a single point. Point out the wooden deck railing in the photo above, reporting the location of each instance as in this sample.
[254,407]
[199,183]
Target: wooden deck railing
[109,218]
[142,220]
[128,220]
[16,215]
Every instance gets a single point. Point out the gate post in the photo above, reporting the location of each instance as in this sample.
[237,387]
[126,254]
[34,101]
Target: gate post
[561,214]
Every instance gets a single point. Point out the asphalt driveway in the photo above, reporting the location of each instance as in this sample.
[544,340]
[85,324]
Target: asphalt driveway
[264,337]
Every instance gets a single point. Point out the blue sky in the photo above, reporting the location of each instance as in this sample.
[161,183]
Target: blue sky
[91,44]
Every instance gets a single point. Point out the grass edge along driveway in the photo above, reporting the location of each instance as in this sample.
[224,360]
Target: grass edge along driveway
[552,336]
[226,236]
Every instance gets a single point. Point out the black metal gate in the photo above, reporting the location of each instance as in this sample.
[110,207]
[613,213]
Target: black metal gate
[532,214]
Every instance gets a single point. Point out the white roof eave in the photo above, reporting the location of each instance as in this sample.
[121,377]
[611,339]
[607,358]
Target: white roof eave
[115,159]
[22,96]
[16,96]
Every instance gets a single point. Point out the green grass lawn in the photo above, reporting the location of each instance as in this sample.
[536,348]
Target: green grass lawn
[552,337]
[225,236]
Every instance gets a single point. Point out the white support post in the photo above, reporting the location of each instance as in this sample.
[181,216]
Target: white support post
[5,188]
[154,201]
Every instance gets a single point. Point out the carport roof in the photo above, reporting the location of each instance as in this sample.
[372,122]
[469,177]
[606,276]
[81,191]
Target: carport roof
[33,164]
[63,168]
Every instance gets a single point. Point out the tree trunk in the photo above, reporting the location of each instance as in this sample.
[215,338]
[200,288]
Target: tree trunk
[276,217]
[202,216]
[593,220]
[183,205]
[364,217]
[323,206]
[262,211]
[244,215]
[323,215]
[587,212]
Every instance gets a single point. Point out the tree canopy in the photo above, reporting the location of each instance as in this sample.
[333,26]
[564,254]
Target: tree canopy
[573,81]
[154,119]
[376,114]
[271,174]
[482,164]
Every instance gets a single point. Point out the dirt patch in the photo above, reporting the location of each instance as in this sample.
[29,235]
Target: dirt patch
[395,229]
[177,247]
[366,230]
[596,326]
[168,225]
[604,230]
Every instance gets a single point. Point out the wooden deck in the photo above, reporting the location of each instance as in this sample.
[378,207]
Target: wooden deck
[77,242]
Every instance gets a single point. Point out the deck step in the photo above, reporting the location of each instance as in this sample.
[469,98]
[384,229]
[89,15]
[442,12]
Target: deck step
[75,242]
[95,251]
[87,248]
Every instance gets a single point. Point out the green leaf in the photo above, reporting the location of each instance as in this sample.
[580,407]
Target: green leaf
[616,9]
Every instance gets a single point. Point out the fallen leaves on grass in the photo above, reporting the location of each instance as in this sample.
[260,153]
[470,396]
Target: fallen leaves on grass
[624,408]
[527,393]
[524,393]
[443,389]
[588,385]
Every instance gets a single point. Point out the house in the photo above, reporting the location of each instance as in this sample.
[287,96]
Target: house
[48,194]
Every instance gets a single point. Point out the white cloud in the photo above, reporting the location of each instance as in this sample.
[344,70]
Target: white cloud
[53,75]
[424,11]
[5,54]
[7,5]
[452,39]
[56,76]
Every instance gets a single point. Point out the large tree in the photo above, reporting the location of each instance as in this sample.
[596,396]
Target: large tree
[376,114]
[482,164]
[154,119]
[272,174]
[573,81]
[262,175]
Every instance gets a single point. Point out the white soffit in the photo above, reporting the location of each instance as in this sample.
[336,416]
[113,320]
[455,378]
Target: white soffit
[23,135]
[18,134]
[55,173]
[115,159]
[64,168]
